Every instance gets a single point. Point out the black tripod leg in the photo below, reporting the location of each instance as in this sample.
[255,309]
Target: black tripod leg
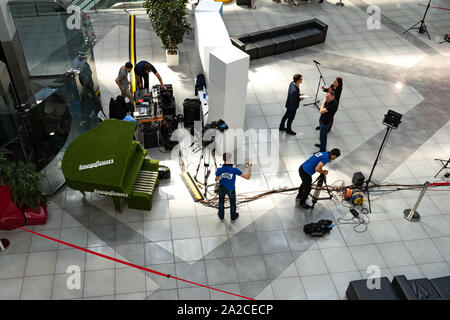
[412,27]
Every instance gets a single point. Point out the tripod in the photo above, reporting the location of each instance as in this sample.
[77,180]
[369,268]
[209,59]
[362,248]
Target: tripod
[388,131]
[206,158]
[321,180]
[446,38]
[444,166]
[422,28]
[316,102]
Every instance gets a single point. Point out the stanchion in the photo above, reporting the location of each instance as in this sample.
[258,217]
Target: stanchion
[4,245]
[412,214]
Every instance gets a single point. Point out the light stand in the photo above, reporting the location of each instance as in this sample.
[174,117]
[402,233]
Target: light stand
[321,180]
[422,28]
[444,166]
[316,102]
[392,121]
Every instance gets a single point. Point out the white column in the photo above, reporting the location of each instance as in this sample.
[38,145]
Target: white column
[228,77]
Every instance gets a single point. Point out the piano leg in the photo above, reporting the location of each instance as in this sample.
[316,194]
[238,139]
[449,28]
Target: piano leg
[116,204]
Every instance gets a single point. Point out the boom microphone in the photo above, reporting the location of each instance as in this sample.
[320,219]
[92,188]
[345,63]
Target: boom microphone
[316,62]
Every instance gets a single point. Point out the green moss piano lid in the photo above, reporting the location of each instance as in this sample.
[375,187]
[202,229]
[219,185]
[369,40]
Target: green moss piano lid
[104,158]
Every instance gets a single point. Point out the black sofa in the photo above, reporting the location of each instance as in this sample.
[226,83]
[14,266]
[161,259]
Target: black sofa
[281,39]
[401,289]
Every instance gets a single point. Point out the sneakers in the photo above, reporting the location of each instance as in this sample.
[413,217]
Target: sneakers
[291,132]
[282,129]
[237,216]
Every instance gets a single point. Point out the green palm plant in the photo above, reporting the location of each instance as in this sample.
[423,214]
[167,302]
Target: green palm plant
[169,20]
[26,186]
[5,165]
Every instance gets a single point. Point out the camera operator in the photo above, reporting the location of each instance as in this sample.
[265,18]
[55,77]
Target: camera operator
[314,164]
[226,175]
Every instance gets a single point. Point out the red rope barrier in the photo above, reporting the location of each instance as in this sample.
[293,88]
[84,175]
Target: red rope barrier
[131,264]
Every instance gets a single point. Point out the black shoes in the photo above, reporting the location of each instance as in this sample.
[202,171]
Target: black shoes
[288,131]
[317,145]
[317,128]
[237,216]
[320,1]
[305,206]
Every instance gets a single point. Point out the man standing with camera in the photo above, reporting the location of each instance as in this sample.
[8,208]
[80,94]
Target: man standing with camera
[314,164]
[226,175]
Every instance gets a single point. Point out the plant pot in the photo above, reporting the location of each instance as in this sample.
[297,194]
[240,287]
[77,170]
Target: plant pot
[172,59]
[35,217]
[10,216]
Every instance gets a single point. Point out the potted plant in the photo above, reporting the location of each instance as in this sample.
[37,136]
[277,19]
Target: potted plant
[170,22]
[26,192]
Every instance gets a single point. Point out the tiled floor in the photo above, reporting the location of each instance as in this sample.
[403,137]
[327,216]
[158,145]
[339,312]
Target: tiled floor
[265,254]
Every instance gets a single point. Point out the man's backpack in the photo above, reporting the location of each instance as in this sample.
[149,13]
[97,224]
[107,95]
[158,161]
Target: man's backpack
[200,83]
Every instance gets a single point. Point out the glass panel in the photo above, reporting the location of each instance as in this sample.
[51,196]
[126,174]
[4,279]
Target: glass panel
[27,9]
[49,46]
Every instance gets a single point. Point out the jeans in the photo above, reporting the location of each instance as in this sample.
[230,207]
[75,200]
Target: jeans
[305,187]
[289,116]
[232,197]
[127,93]
[323,136]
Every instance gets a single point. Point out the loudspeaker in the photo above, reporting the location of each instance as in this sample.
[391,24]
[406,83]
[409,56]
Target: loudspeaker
[150,137]
[191,110]
[358,179]
[169,109]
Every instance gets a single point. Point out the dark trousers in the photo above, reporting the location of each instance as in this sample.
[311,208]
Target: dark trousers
[323,136]
[289,116]
[331,124]
[232,197]
[144,78]
[305,187]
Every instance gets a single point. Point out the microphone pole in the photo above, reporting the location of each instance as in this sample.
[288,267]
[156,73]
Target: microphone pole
[321,78]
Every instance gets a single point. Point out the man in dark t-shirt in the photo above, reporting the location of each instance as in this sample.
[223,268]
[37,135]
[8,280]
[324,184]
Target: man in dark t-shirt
[141,70]
[327,111]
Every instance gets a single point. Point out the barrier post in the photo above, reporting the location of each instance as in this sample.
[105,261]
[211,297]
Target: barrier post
[4,245]
[412,214]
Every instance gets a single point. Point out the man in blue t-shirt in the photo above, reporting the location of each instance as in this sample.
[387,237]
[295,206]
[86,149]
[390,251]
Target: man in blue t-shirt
[226,175]
[314,164]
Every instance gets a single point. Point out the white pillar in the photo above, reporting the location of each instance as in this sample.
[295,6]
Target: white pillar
[228,77]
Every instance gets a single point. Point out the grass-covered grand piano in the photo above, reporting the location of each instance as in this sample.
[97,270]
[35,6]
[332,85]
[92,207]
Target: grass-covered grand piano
[106,160]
